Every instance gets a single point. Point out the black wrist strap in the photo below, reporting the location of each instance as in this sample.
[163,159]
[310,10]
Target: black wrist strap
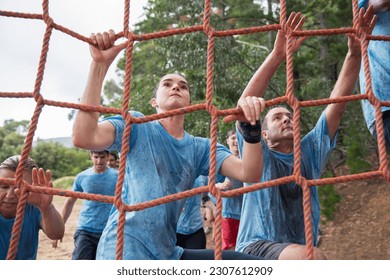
[205,199]
[250,133]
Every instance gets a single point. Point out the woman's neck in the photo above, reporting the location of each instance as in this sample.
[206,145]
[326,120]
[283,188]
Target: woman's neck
[174,126]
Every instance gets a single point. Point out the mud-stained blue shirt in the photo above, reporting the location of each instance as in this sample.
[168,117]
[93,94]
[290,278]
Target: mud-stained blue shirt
[191,220]
[157,165]
[231,206]
[276,213]
[379,60]
[94,214]
[29,235]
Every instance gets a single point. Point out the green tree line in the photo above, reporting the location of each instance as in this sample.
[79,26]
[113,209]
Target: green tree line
[62,161]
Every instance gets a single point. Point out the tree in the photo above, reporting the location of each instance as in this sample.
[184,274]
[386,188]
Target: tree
[187,54]
[60,160]
[12,135]
[316,64]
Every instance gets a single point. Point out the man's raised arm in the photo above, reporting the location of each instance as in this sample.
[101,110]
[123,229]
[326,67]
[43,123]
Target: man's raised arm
[349,72]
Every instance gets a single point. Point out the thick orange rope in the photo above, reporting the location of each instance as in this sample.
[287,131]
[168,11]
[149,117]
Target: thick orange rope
[214,112]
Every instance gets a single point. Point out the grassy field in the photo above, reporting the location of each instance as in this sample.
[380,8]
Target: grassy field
[64,182]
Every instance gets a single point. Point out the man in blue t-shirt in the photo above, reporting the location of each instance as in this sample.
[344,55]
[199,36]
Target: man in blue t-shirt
[272,221]
[189,229]
[98,179]
[40,212]
[163,159]
[379,61]
[231,206]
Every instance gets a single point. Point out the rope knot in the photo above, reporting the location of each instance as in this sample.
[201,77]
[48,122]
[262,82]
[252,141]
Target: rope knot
[372,98]
[212,109]
[214,190]
[300,180]
[48,20]
[292,101]
[209,31]
[128,34]
[40,100]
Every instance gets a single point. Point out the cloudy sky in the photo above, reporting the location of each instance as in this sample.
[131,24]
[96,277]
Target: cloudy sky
[68,58]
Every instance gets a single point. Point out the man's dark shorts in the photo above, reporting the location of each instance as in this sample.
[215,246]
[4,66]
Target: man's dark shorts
[266,249]
[386,128]
[85,245]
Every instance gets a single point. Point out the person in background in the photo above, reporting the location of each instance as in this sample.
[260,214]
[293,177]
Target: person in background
[113,159]
[189,231]
[40,212]
[208,212]
[379,60]
[98,179]
[231,206]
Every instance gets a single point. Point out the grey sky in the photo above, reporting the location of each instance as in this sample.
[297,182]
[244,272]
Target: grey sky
[68,58]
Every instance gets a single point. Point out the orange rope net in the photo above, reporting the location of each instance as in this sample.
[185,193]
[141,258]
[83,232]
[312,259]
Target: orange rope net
[214,112]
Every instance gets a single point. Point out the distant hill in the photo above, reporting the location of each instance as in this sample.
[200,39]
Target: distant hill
[65,141]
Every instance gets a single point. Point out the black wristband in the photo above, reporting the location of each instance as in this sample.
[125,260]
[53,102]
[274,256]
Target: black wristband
[205,199]
[250,133]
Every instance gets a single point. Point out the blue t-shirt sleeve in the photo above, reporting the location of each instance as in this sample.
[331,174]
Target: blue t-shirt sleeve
[77,184]
[203,155]
[119,124]
[201,181]
[222,154]
[363,3]
[321,145]
[220,178]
